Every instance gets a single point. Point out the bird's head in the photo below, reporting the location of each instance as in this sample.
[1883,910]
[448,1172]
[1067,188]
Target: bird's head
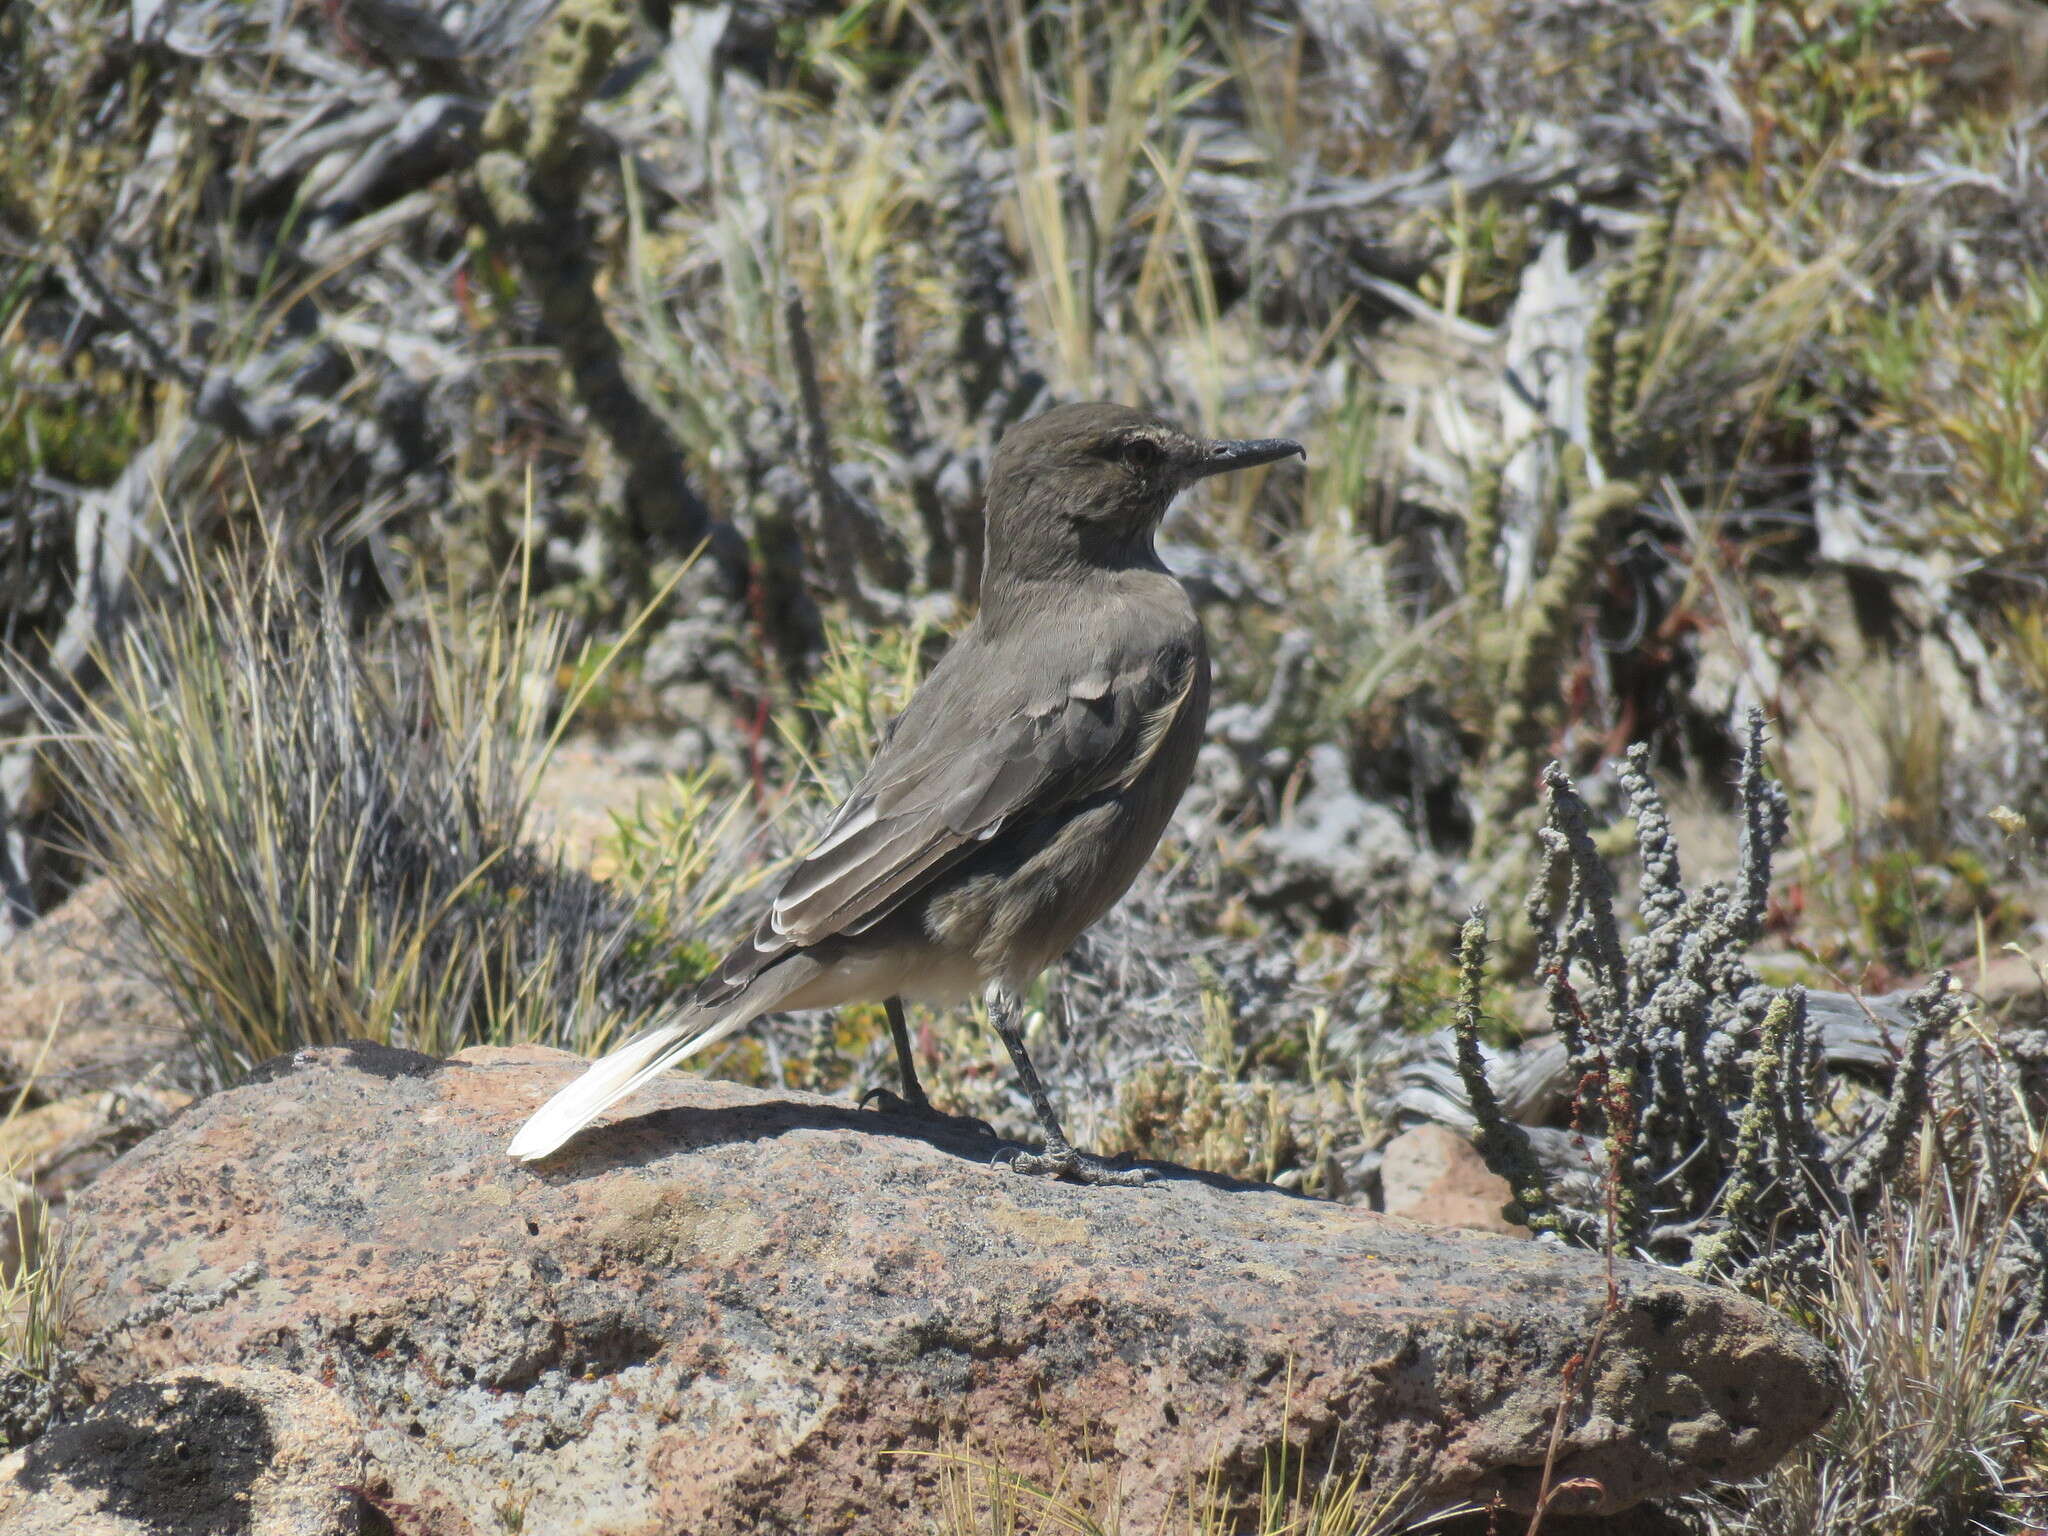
[1090,482]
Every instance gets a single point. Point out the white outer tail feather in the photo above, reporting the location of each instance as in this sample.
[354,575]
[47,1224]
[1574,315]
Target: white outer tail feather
[611,1077]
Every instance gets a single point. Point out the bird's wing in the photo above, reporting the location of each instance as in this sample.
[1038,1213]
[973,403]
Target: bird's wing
[930,797]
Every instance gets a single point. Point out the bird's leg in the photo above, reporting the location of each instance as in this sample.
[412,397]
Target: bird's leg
[913,1100]
[913,1091]
[1059,1157]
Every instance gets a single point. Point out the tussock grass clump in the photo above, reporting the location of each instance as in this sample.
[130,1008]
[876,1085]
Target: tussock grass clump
[325,836]
[1944,1412]
[35,1381]
[982,1496]
[1942,1425]
[36,1385]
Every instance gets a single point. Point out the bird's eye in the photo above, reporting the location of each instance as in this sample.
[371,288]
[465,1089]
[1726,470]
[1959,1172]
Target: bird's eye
[1139,452]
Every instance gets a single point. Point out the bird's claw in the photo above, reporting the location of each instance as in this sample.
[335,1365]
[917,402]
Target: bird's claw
[889,1102]
[1065,1163]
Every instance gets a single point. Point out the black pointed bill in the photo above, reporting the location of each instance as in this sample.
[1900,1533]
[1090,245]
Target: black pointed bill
[1220,458]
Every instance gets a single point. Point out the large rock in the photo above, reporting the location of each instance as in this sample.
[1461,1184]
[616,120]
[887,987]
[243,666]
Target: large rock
[1433,1174]
[76,1013]
[194,1453]
[723,1310]
[98,1050]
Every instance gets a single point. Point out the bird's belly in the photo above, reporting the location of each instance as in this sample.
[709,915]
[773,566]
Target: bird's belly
[925,973]
[944,979]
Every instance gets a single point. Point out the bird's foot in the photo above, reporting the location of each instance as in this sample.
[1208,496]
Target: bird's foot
[921,1108]
[1063,1162]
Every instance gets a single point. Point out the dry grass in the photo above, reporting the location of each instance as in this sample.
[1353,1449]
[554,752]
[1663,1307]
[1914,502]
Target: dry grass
[1945,1428]
[34,1296]
[981,1496]
[324,835]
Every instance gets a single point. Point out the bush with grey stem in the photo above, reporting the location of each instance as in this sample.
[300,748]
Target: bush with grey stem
[1702,1086]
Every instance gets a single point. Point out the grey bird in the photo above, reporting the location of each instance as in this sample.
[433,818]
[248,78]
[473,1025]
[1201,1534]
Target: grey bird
[1018,795]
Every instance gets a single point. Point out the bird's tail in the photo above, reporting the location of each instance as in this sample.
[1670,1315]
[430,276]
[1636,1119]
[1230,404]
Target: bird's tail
[626,1070]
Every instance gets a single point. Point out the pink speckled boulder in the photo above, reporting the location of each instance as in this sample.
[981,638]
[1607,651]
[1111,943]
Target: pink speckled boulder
[721,1310]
